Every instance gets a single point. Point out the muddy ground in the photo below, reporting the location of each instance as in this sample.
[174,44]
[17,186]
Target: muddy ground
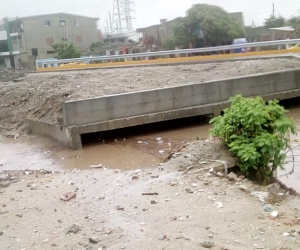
[177,205]
[39,96]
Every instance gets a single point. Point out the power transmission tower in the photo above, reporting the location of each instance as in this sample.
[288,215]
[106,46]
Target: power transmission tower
[122,18]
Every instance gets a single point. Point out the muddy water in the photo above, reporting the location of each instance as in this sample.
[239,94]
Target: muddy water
[138,151]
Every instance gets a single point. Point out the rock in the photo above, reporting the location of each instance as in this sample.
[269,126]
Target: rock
[219,204]
[153,202]
[73,229]
[232,177]
[94,240]
[207,244]
[16,136]
[243,187]
[274,214]
[285,234]
[173,217]
[96,166]
[162,237]
[182,238]
[220,174]
[68,196]
[4,177]
[120,208]
[4,184]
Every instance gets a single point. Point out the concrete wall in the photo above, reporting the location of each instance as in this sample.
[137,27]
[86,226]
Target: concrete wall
[114,107]
[66,136]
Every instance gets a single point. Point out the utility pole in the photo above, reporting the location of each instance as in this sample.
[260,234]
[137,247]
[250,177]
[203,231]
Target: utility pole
[111,27]
[273,10]
[10,49]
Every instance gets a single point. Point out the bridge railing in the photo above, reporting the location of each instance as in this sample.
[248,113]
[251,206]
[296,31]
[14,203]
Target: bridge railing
[147,55]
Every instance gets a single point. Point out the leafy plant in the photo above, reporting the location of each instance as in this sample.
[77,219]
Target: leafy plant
[66,50]
[257,133]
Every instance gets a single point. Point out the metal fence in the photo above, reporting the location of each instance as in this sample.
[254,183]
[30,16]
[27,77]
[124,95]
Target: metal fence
[176,52]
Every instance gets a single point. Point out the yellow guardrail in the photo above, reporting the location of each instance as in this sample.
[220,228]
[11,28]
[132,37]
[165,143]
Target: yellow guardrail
[74,66]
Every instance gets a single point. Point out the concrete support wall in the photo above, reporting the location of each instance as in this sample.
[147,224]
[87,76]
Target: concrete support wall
[116,107]
[66,136]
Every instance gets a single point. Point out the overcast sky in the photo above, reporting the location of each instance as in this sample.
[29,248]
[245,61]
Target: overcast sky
[148,12]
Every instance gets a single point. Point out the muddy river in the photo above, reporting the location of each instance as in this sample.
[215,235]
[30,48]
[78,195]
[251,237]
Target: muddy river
[137,151]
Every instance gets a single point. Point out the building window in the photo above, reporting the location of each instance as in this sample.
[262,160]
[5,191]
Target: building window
[64,39]
[47,22]
[50,52]
[79,39]
[49,40]
[77,23]
[62,23]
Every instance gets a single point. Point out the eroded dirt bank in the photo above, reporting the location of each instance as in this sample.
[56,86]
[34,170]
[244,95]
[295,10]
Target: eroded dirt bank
[39,96]
[176,205]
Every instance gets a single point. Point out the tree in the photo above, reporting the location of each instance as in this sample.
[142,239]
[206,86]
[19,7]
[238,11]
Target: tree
[274,22]
[295,22]
[169,45]
[99,44]
[66,50]
[257,133]
[206,24]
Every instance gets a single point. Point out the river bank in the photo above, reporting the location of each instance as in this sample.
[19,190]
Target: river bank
[180,204]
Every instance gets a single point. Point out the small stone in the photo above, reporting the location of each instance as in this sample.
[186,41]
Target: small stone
[207,244]
[220,174]
[173,183]
[162,237]
[135,177]
[153,202]
[120,208]
[94,240]
[173,217]
[12,199]
[19,215]
[243,187]
[4,177]
[219,204]
[285,234]
[274,214]
[4,184]
[232,176]
[210,235]
[73,229]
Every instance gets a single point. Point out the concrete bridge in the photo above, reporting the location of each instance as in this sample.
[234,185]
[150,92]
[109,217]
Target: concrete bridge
[131,109]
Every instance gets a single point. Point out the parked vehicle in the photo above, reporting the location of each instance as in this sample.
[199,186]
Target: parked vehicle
[240,41]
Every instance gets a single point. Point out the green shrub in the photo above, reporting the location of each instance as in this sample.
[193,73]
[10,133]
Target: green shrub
[257,133]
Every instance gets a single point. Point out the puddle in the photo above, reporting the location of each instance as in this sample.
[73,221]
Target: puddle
[139,151]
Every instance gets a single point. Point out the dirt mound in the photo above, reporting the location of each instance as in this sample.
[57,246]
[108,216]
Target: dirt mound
[10,74]
[39,96]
